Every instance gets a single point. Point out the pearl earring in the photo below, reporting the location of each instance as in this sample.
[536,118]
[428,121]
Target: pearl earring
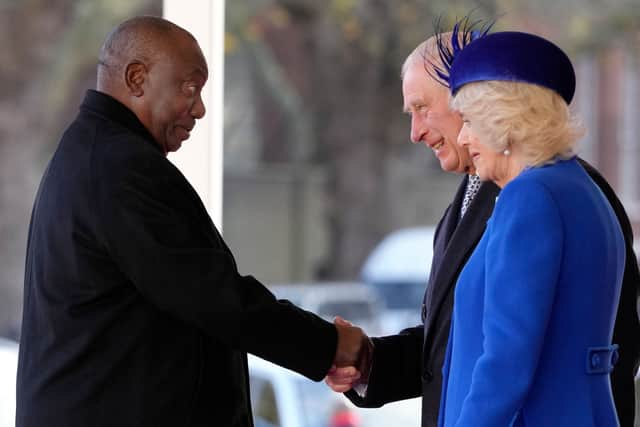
[506,152]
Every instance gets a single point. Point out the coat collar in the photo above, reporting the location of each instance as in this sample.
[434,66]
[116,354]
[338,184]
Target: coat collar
[111,109]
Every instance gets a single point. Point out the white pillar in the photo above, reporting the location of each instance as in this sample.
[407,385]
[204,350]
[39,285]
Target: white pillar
[200,158]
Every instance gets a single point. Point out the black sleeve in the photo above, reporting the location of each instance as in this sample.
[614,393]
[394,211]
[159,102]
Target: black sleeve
[160,236]
[396,369]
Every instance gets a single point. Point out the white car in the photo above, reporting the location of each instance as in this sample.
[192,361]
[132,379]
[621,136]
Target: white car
[8,370]
[283,398]
[286,399]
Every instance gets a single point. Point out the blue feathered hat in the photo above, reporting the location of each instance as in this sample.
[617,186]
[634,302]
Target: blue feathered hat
[506,56]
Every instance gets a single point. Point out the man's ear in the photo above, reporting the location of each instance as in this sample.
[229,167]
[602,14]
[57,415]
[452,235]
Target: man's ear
[134,75]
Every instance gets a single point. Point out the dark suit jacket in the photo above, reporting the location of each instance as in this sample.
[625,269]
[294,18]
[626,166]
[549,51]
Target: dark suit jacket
[409,364]
[134,311]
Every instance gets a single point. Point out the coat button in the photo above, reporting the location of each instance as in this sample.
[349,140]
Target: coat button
[595,361]
[427,376]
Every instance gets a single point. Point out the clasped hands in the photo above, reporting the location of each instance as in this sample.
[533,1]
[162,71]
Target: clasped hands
[352,363]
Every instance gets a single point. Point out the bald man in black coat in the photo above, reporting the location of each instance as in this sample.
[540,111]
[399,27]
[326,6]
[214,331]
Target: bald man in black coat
[134,312]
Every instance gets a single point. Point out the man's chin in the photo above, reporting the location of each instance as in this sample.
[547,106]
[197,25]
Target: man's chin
[448,166]
[456,167]
[173,147]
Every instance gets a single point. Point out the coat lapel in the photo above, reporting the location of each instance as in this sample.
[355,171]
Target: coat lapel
[444,231]
[456,251]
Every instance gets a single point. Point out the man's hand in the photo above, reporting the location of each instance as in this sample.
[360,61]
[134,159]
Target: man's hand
[352,362]
[342,380]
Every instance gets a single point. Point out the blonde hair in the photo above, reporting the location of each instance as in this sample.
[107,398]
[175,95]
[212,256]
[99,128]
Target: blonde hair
[532,118]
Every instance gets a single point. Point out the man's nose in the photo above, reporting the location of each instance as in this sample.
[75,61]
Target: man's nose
[418,130]
[198,110]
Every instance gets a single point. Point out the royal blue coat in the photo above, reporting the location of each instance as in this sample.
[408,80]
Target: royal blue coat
[534,308]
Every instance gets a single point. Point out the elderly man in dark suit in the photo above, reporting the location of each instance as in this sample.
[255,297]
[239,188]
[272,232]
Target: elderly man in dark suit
[134,311]
[408,364]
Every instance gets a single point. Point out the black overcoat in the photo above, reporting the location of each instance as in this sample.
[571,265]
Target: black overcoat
[134,312]
[408,365]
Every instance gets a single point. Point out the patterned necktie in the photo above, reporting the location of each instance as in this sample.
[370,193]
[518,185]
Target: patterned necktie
[473,184]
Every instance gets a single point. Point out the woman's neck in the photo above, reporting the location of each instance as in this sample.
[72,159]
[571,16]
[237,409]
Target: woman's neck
[514,165]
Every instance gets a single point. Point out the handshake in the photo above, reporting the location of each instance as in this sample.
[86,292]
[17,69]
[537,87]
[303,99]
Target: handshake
[352,362]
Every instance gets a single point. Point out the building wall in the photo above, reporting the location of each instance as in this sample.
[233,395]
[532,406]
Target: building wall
[261,209]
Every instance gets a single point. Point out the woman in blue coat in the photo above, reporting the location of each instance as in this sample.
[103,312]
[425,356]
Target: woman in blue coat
[530,340]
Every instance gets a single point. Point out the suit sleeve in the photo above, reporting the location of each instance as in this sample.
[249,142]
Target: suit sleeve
[522,267]
[159,235]
[396,369]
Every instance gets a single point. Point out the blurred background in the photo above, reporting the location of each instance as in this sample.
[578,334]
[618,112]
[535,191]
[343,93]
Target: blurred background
[318,167]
